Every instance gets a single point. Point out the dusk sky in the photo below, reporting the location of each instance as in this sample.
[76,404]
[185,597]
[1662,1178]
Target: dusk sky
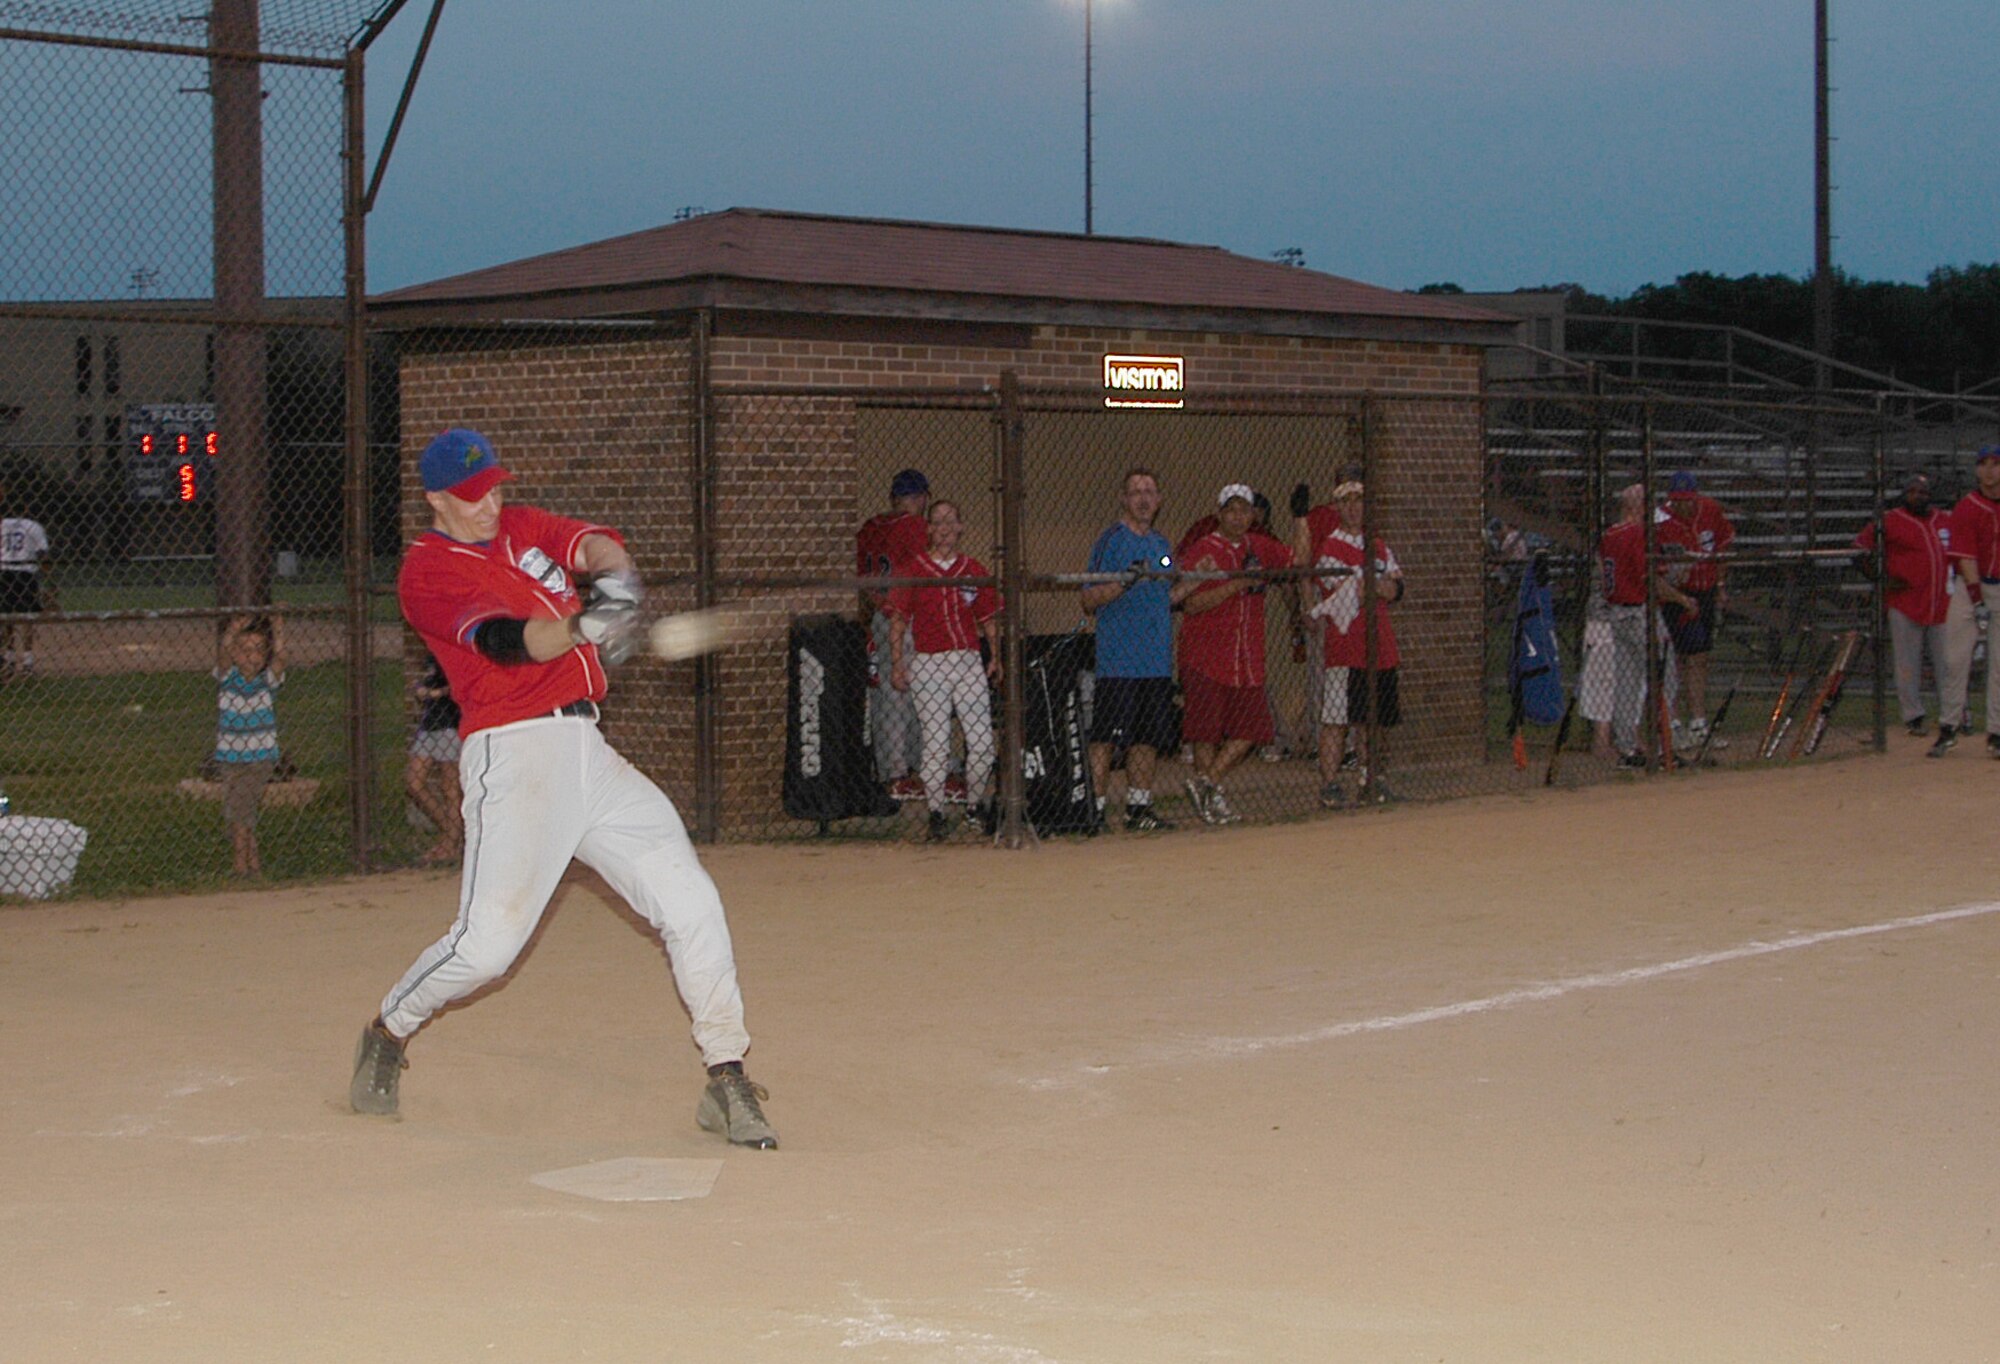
[1495,145]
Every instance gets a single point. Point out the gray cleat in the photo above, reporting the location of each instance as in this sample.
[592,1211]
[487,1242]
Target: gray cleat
[729,1108]
[378,1065]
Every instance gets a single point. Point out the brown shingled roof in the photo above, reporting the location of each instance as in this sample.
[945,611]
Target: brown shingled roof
[812,251]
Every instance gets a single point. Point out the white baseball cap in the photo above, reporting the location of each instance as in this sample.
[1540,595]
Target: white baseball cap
[1229,490]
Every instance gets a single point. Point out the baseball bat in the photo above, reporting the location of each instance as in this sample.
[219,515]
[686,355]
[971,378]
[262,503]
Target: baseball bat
[1721,714]
[1821,714]
[1562,737]
[1805,693]
[1768,745]
[690,634]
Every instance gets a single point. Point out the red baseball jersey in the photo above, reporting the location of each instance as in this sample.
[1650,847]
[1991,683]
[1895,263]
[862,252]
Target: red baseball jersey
[1346,627]
[943,619]
[448,588]
[886,540]
[1916,554]
[1322,521]
[1975,533]
[1705,535]
[1622,551]
[1226,643]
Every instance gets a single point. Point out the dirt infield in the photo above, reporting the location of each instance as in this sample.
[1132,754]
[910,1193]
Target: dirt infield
[1690,1070]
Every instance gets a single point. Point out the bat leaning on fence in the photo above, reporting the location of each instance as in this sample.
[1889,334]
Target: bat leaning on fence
[1813,727]
[1715,723]
[1801,689]
[1562,736]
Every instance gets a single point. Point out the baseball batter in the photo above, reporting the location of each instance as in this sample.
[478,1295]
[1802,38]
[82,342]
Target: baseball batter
[492,591]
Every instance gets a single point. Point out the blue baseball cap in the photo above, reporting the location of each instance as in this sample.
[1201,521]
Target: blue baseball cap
[908,483]
[461,462]
[1682,482]
[1986,452]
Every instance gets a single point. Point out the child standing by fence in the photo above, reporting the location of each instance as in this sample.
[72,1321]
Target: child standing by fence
[249,669]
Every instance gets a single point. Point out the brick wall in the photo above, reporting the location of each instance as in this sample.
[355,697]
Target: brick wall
[601,430]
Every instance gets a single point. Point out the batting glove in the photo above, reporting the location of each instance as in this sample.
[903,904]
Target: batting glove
[612,625]
[624,585]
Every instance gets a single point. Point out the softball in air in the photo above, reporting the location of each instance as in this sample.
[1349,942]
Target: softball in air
[689,634]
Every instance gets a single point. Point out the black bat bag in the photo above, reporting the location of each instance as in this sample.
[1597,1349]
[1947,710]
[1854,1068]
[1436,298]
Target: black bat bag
[1055,762]
[829,768]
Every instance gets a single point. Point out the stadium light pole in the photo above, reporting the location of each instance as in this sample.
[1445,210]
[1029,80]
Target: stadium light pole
[1088,168]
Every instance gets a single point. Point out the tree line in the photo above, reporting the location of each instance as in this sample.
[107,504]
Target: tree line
[1943,334]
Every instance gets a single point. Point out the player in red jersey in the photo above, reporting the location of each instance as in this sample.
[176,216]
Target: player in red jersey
[885,540]
[1919,581]
[1348,700]
[1621,558]
[1222,638]
[1974,545]
[1694,529]
[941,670]
[491,590]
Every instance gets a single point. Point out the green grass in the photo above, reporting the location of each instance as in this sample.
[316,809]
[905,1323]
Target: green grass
[108,752]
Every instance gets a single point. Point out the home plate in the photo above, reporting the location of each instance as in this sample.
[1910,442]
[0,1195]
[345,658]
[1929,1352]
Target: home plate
[634,1179]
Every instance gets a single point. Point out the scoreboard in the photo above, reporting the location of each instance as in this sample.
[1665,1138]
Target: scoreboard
[170,452]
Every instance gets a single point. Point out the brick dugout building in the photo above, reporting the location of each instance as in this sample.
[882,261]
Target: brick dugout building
[733,391]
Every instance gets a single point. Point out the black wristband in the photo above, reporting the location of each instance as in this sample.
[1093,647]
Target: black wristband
[503,641]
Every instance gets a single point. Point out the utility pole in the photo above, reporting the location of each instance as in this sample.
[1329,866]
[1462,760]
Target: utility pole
[1822,200]
[236,99]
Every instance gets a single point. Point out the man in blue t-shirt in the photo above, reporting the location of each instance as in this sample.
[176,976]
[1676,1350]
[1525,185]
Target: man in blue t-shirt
[1134,697]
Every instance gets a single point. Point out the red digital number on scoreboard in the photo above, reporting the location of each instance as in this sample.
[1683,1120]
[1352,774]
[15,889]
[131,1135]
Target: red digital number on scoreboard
[187,489]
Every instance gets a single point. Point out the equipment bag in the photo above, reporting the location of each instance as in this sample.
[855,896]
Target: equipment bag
[829,769]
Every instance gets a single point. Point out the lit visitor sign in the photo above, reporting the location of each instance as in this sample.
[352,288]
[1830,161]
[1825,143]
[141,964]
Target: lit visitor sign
[1144,380]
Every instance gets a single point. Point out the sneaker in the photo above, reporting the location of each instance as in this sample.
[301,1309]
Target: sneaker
[954,790]
[1140,819]
[1632,761]
[378,1066]
[729,1107]
[1350,760]
[1272,753]
[938,830]
[1198,789]
[1946,740]
[983,818]
[1218,811]
[1917,728]
[1993,745]
[1332,796]
[906,788]
[1381,792]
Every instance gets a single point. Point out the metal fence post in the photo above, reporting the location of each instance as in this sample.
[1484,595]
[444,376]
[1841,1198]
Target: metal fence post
[1370,640]
[1012,620]
[1656,673]
[359,542]
[1880,583]
[707,673]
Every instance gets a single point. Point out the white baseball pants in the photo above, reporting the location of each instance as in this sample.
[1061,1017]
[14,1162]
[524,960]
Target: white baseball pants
[1961,641]
[1910,641]
[537,793]
[941,684]
[892,720]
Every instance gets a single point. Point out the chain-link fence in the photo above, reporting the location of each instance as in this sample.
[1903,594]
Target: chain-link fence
[181,451]
[982,608]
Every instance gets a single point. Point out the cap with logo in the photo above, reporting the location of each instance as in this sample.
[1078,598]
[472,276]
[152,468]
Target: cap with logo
[461,462]
[1986,452]
[1682,482]
[909,483]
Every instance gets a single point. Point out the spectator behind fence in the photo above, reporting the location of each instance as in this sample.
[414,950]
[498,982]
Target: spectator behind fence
[1222,669]
[1133,696]
[24,558]
[249,669]
[1311,523]
[1973,542]
[1695,528]
[1347,700]
[1266,550]
[1918,581]
[934,661]
[883,541]
[431,778]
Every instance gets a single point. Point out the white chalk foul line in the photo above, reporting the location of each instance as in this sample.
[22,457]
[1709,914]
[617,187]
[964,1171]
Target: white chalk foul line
[1226,1048]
